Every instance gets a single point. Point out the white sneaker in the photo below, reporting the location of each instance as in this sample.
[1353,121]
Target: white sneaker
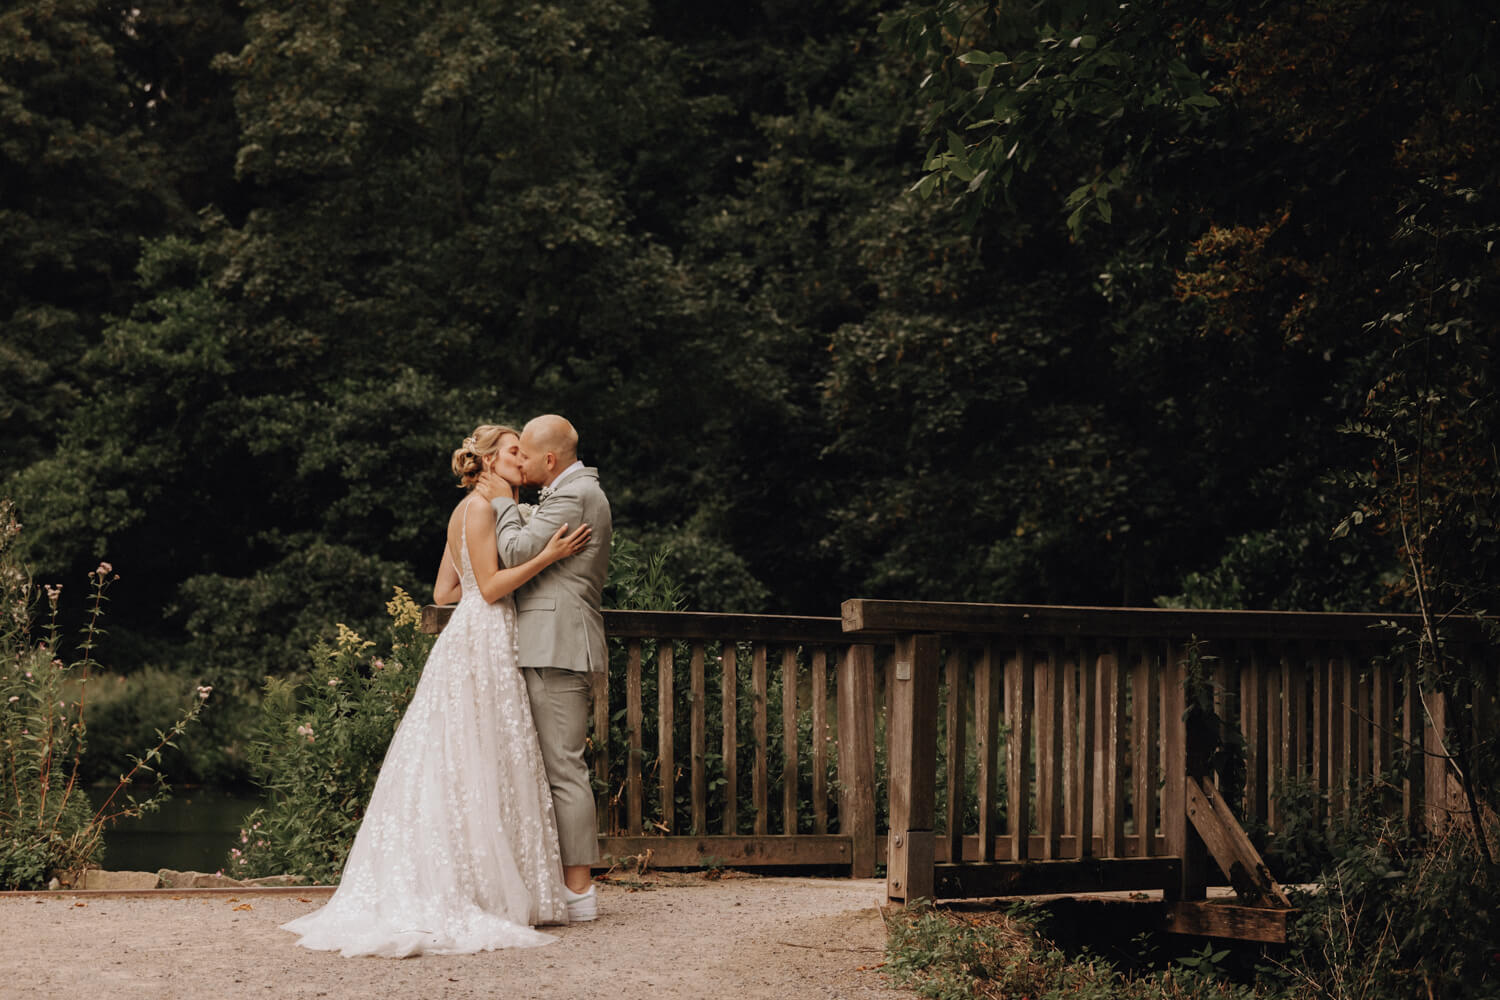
[582,906]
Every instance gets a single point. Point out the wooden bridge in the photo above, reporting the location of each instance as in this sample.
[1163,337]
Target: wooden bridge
[982,750]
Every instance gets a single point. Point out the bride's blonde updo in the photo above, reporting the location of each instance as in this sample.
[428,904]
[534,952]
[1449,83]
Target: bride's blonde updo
[468,459]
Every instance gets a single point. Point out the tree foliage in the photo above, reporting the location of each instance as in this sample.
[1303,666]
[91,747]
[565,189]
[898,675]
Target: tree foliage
[266,264]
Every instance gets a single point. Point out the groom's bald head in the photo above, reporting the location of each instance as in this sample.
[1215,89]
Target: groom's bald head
[549,445]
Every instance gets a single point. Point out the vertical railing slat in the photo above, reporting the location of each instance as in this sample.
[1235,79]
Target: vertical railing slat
[760,778]
[729,700]
[1115,741]
[633,790]
[1145,715]
[987,675]
[1018,716]
[820,740]
[789,756]
[1252,728]
[956,746]
[1065,667]
[698,738]
[1275,763]
[1088,765]
[666,756]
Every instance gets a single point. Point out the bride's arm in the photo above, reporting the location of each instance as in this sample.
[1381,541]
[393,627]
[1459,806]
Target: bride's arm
[494,581]
[448,588]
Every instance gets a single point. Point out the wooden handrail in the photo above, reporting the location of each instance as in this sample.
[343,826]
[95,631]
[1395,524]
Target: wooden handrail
[620,624]
[890,617]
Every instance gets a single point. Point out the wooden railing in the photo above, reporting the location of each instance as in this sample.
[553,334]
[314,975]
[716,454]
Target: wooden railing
[1080,712]
[732,764]
[1057,733]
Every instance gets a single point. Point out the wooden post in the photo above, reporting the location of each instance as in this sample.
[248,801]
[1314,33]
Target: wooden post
[1186,746]
[912,756]
[856,749]
[1435,780]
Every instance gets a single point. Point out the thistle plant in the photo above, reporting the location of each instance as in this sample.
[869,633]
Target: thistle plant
[47,826]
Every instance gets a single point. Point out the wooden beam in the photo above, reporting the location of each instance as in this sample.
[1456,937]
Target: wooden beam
[1230,846]
[1223,920]
[717,851]
[1030,878]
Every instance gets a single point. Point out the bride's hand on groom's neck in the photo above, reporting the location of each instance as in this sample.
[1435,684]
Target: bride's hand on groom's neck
[491,487]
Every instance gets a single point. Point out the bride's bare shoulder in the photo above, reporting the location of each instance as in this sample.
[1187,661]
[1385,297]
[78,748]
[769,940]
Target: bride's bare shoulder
[474,509]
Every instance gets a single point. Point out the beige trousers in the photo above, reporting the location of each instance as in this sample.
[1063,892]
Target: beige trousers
[560,703]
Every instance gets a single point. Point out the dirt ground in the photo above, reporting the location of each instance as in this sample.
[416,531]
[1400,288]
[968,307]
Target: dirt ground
[662,936]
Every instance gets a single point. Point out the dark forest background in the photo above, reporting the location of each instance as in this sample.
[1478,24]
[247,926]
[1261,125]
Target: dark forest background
[1065,302]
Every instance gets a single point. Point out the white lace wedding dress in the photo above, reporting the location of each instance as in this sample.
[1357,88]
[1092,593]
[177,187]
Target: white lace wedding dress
[457,852]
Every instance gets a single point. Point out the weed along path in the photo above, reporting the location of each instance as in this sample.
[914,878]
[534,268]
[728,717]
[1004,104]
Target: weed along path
[662,936]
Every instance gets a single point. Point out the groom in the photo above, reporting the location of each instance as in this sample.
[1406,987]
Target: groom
[561,632]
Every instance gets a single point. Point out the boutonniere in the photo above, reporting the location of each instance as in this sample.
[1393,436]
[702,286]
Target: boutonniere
[545,492]
[526,509]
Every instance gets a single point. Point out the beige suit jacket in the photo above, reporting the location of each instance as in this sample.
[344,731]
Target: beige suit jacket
[557,611]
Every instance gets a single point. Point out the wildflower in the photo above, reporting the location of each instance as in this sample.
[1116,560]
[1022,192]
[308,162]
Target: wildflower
[14,698]
[350,639]
[104,569]
[333,682]
[306,732]
[378,663]
[244,837]
[204,690]
[59,665]
[54,591]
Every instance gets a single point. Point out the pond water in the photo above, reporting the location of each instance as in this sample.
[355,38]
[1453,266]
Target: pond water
[192,831]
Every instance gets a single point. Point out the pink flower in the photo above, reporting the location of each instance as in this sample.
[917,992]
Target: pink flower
[333,682]
[14,698]
[204,690]
[378,663]
[104,569]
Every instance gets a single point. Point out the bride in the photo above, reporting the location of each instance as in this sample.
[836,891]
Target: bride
[457,852]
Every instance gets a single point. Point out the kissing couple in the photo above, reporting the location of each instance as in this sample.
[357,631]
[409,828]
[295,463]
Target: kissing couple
[481,825]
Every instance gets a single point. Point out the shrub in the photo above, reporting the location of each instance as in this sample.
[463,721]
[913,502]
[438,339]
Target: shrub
[1393,917]
[47,826]
[321,739]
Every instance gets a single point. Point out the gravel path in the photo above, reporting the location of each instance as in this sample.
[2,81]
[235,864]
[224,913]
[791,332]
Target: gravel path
[660,937]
